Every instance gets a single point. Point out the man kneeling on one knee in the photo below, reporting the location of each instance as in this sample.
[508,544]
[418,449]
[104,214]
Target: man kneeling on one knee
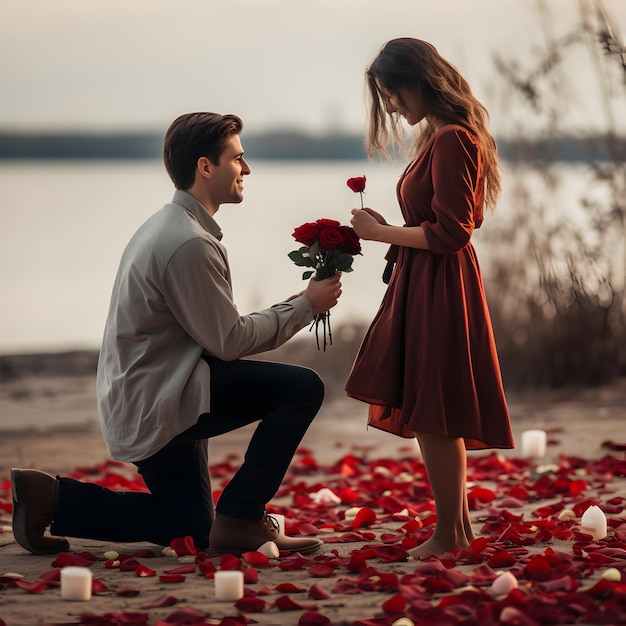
[171,375]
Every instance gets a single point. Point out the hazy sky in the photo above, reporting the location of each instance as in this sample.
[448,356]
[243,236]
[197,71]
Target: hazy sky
[137,64]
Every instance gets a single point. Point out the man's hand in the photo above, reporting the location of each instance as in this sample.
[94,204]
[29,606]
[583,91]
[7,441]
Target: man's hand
[323,294]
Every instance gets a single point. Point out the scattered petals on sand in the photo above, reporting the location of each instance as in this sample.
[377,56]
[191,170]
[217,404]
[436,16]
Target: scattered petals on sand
[528,518]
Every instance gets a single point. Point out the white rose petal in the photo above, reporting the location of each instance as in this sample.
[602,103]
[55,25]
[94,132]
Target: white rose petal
[326,496]
[187,559]
[167,551]
[351,513]
[504,584]
[111,555]
[566,514]
[269,549]
[612,574]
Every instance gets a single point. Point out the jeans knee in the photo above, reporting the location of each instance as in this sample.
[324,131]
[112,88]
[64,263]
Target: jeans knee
[310,387]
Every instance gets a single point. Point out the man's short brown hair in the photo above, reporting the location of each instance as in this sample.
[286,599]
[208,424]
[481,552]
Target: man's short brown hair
[194,135]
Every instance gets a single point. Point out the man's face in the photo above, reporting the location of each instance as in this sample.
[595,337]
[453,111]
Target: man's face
[227,176]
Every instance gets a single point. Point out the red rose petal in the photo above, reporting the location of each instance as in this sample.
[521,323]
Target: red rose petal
[317,593]
[250,576]
[501,558]
[172,578]
[160,602]
[183,546]
[312,618]
[127,593]
[321,571]
[256,559]
[365,517]
[289,588]
[144,572]
[287,603]
[251,604]
[36,587]
[183,569]
[395,604]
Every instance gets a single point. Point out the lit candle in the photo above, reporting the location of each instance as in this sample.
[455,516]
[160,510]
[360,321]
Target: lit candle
[76,583]
[593,522]
[228,585]
[534,443]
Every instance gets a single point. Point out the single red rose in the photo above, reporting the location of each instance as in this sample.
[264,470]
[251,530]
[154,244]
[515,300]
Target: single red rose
[351,242]
[357,184]
[330,238]
[307,233]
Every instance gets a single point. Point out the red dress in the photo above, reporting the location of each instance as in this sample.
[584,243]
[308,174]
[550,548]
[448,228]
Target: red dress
[428,362]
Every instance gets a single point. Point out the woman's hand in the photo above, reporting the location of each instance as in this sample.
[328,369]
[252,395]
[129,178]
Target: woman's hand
[365,222]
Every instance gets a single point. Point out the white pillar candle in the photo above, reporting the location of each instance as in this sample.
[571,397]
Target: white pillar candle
[281,522]
[228,585]
[534,443]
[76,583]
[593,522]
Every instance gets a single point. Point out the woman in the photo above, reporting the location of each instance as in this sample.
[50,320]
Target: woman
[428,364]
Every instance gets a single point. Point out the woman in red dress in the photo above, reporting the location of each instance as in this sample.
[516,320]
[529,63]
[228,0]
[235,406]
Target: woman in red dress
[428,364]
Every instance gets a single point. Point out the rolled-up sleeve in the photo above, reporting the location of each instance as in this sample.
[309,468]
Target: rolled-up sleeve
[199,293]
[455,170]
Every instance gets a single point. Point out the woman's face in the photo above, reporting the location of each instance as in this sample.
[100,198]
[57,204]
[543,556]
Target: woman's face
[406,103]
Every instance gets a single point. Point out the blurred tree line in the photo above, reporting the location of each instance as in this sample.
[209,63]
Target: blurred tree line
[556,284]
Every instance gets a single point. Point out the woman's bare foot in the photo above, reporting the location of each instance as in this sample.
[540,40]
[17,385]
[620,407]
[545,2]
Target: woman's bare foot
[434,547]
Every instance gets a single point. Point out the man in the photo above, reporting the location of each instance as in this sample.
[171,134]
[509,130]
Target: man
[171,376]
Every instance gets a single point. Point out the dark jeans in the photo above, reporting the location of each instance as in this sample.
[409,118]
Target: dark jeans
[284,399]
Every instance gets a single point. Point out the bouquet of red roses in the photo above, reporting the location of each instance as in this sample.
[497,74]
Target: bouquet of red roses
[328,248]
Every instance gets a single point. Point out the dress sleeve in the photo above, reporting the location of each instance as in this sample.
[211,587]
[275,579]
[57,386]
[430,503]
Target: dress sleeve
[199,293]
[455,171]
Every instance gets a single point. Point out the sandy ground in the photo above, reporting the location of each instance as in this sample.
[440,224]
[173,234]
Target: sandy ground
[50,423]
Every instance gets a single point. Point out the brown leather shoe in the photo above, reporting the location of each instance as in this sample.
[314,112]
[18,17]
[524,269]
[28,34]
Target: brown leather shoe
[34,502]
[226,537]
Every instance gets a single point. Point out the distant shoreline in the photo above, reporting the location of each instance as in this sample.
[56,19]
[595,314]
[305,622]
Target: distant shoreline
[274,145]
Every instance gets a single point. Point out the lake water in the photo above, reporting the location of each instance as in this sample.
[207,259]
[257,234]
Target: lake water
[64,225]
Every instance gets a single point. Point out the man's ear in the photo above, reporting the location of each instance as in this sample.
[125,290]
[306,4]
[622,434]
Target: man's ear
[204,167]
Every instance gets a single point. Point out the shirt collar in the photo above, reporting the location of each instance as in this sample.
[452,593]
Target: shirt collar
[197,209]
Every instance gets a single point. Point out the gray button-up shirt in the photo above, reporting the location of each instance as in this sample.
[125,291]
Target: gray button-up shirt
[172,301]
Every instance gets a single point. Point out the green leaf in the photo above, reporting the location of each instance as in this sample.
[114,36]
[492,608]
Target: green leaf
[307,275]
[297,256]
[339,261]
[314,250]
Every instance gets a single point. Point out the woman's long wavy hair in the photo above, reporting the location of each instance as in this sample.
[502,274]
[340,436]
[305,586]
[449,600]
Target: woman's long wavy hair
[416,65]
